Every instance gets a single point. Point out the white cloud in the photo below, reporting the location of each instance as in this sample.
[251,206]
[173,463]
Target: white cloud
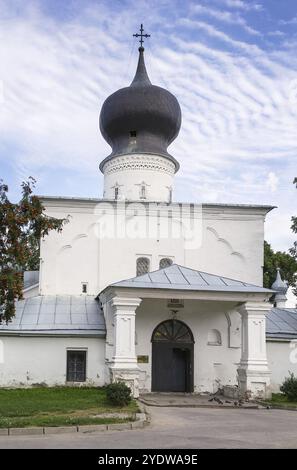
[241,5]
[290,21]
[216,33]
[226,17]
[238,122]
[276,33]
[272,181]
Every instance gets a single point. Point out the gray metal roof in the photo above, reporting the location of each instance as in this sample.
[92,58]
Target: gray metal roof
[178,277]
[83,316]
[57,315]
[281,323]
[31,278]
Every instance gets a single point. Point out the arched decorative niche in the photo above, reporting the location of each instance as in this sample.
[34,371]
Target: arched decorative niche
[214,338]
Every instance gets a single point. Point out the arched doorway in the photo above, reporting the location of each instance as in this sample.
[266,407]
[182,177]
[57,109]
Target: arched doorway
[172,357]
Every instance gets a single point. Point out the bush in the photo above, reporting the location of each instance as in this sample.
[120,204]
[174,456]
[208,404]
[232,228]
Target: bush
[118,393]
[289,387]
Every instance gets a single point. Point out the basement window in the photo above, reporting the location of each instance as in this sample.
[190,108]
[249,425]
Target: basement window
[76,366]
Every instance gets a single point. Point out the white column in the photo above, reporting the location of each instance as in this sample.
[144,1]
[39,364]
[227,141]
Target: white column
[124,361]
[253,372]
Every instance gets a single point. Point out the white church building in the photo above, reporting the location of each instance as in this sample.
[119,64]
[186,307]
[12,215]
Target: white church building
[165,296]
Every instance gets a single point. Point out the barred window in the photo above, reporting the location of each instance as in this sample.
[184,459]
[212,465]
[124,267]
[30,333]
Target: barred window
[165,262]
[142,266]
[76,366]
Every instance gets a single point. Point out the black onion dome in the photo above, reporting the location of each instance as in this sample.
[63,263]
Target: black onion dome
[141,118]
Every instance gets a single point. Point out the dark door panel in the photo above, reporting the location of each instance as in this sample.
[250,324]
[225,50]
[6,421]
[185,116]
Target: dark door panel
[172,367]
[162,364]
[179,370]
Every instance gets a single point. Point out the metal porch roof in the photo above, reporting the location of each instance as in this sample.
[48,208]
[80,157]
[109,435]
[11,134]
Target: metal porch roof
[176,277]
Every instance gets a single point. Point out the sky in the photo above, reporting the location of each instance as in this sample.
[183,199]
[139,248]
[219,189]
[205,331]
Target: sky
[232,64]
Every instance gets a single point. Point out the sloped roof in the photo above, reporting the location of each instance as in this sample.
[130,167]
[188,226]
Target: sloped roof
[83,316]
[281,323]
[57,314]
[178,277]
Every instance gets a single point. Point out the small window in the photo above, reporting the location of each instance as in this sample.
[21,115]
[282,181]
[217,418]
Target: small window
[84,287]
[142,266]
[143,191]
[133,134]
[170,194]
[116,192]
[76,366]
[165,262]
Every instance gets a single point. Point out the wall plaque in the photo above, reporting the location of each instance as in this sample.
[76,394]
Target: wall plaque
[142,359]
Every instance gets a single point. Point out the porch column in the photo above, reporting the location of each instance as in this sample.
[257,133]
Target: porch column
[124,361]
[253,372]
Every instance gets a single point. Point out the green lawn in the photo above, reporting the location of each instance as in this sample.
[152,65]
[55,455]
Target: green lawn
[278,399]
[58,407]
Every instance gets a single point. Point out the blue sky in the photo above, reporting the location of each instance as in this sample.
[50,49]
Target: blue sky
[231,63]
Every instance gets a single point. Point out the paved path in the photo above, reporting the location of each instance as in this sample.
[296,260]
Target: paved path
[183,428]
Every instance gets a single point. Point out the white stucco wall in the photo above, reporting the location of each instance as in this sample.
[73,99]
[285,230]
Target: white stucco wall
[26,360]
[282,358]
[291,299]
[227,240]
[214,366]
[129,172]
[91,248]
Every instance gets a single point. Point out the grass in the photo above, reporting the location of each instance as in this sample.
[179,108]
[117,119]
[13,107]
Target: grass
[61,406]
[279,399]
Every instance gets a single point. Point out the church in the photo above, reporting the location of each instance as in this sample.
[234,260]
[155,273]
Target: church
[165,296]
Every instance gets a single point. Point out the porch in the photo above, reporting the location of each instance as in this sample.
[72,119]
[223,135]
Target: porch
[178,329]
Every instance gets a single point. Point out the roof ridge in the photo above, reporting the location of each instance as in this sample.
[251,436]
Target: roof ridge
[182,274]
[203,278]
[39,310]
[141,278]
[247,284]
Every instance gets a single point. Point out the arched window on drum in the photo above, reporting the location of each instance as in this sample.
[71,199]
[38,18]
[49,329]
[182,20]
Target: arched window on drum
[165,263]
[142,266]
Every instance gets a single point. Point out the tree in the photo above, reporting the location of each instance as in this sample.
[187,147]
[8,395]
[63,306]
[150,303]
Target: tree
[279,259]
[21,227]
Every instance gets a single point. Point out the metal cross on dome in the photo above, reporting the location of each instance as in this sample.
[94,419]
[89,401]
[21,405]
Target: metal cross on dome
[141,35]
